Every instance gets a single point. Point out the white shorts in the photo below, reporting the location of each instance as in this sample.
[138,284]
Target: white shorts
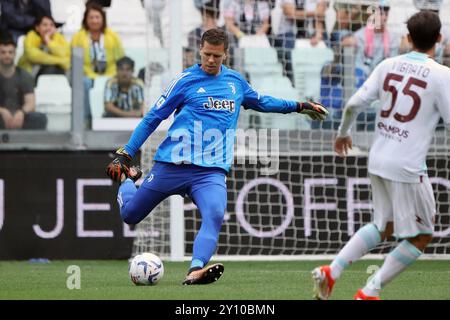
[410,206]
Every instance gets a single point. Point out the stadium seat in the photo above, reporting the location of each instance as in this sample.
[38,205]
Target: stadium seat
[19,49]
[155,90]
[260,56]
[306,43]
[279,87]
[307,65]
[276,15]
[96,96]
[139,40]
[139,56]
[159,81]
[257,72]
[330,19]
[191,19]
[54,98]
[254,41]
[127,17]
[160,55]
[275,83]
[266,76]
[70,12]
[260,62]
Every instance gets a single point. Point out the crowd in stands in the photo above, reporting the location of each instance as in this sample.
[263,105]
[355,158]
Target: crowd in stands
[304,20]
[124,93]
[102,48]
[46,50]
[17,100]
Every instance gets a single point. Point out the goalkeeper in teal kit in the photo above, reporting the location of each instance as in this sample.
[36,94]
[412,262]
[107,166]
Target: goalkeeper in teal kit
[206,99]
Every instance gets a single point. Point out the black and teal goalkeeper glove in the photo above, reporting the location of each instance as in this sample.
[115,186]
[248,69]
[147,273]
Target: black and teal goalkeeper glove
[314,110]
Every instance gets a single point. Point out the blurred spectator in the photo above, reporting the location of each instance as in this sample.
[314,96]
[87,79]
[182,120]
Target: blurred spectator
[213,5]
[102,48]
[434,5]
[300,19]
[189,58]
[103,3]
[372,43]
[155,68]
[17,102]
[347,21]
[210,14]
[375,42]
[312,24]
[19,16]
[332,77]
[124,94]
[46,51]
[154,9]
[246,17]
[442,51]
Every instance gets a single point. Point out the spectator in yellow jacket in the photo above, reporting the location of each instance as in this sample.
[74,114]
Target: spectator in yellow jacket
[102,48]
[45,50]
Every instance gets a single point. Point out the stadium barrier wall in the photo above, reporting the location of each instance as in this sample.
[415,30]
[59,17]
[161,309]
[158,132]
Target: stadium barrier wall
[61,205]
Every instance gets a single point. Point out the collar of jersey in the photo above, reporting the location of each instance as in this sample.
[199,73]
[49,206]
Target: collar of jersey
[415,55]
[222,70]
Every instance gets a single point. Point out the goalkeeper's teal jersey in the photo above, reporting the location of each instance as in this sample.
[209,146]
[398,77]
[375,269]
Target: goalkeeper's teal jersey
[206,114]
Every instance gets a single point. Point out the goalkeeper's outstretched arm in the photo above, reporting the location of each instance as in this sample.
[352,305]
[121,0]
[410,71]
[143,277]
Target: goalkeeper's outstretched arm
[253,100]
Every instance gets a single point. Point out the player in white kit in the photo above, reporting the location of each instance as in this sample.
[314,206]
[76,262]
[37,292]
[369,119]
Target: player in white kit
[414,93]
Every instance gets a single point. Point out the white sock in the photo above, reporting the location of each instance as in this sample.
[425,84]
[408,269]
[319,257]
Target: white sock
[396,261]
[362,242]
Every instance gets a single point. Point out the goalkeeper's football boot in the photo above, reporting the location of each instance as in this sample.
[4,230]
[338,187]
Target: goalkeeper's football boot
[361,296]
[206,275]
[323,282]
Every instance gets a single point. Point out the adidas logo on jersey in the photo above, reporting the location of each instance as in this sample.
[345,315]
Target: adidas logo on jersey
[201,90]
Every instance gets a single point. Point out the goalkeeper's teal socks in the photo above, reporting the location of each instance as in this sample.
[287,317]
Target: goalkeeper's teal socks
[196,263]
[367,238]
[396,261]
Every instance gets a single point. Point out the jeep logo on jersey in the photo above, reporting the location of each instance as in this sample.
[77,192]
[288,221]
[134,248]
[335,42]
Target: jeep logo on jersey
[219,104]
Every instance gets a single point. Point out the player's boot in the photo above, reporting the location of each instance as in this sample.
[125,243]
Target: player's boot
[361,296]
[206,275]
[323,282]
[134,174]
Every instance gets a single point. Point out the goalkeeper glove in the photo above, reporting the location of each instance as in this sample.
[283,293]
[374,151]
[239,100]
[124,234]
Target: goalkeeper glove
[120,165]
[314,110]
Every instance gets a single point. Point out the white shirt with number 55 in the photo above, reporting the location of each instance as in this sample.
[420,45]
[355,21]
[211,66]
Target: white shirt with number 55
[414,94]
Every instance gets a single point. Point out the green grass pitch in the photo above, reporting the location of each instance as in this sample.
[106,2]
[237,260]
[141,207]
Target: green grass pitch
[262,280]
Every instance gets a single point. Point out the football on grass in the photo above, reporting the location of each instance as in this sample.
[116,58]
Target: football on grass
[146,269]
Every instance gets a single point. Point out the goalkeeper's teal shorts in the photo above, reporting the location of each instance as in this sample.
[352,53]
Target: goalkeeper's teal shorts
[166,179]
